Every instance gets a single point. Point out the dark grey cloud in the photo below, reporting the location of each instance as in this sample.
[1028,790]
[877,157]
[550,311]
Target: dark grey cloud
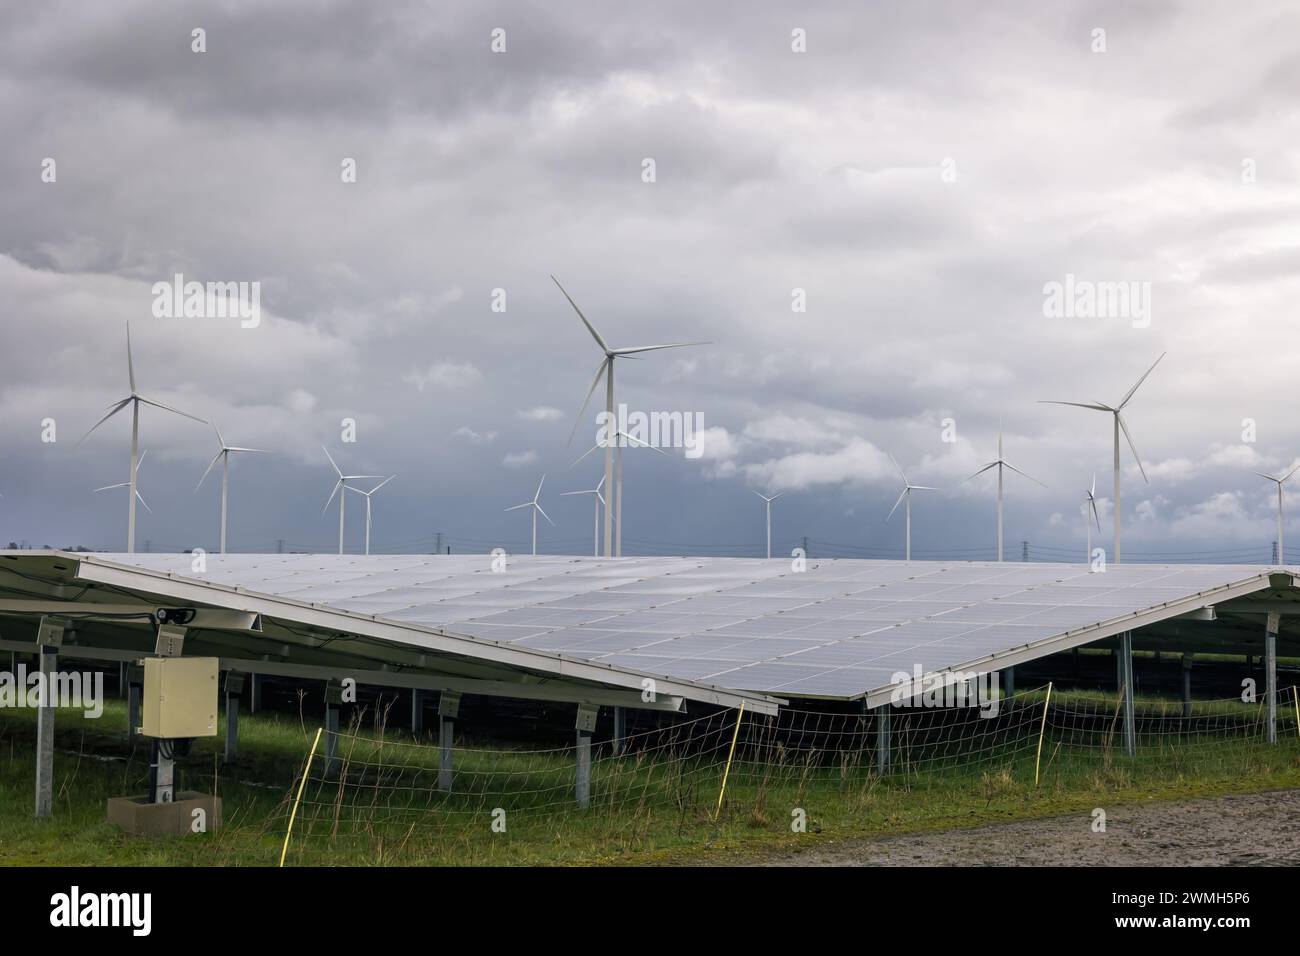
[820,171]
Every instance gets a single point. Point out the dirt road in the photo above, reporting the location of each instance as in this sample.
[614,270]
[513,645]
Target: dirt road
[1257,829]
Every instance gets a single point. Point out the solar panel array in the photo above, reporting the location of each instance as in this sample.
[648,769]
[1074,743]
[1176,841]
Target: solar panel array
[837,630]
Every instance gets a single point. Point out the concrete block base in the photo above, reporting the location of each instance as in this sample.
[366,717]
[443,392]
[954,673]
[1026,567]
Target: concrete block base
[137,815]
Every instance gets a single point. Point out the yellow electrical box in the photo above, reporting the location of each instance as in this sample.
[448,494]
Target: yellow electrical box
[180,697]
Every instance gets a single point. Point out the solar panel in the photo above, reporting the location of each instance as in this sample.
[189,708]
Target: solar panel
[841,628]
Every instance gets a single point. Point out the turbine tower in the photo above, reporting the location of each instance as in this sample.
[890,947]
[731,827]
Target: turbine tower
[999,463]
[1119,425]
[905,499]
[341,483]
[1091,502]
[537,509]
[607,368]
[769,516]
[600,500]
[224,456]
[135,400]
[621,440]
[368,495]
[1281,553]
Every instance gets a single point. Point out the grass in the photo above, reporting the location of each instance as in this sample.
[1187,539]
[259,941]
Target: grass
[644,809]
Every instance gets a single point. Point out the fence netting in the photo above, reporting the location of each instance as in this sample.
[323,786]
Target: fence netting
[387,792]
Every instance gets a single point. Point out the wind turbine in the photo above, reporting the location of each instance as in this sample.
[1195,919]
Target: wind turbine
[999,463]
[620,440]
[127,484]
[367,495]
[607,367]
[600,500]
[135,400]
[1281,554]
[905,499]
[769,516]
[1091,502]
[341,483]
[536,510]
[1119,426]
[224,456]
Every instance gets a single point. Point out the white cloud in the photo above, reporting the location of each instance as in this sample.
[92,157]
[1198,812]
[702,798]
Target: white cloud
[1235,456]
[1172,470]
[474,438]
[857,463]
[519,459]
[448,374]
[1221,516]
[719,450]
[300,400]
[541,413]
[1149,509]
[789,430]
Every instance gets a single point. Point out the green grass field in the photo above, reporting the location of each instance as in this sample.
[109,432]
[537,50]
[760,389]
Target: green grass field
[643,810]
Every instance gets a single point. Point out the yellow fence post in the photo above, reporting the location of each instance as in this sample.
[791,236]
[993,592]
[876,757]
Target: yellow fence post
[727,771]
[301,784]
[1042,729]
[1296,700]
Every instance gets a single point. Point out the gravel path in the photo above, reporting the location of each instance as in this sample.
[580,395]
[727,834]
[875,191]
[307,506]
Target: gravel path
[1257,829]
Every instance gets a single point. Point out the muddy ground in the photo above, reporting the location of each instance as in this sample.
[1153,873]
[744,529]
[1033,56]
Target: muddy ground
[1257,829]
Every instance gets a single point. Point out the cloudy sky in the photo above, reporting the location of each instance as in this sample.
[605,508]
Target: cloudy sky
[917,175]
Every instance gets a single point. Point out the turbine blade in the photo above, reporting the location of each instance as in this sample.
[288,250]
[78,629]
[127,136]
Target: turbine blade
[120,484]
[586,453]
[1096,517]
[140,498]
[586,401]
[168,408]
[381,484]
[139,462]
[220,441]
[211,464]
[264,451]
[1291,472]
[1093,405]
[1262,475]
[1124,428]
[517,507]
[115,409]
[539,488]
[130,364]
[992,464]
[544,514]
[331,458]
[643,444]
[1140,381]
[896,504]
[924,488]
[898,467]
[590,328]
[654,348]
[1022,474]
[338,484]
